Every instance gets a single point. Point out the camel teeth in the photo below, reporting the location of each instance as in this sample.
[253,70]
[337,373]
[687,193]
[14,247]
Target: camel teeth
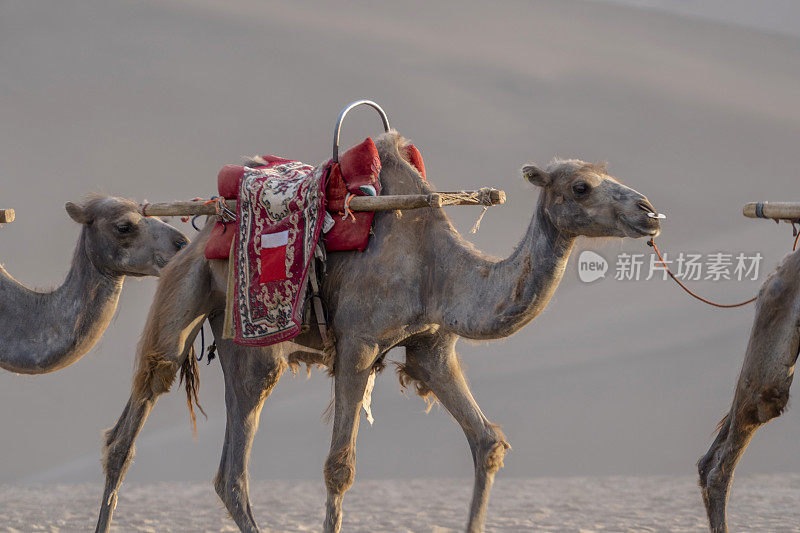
[659,216]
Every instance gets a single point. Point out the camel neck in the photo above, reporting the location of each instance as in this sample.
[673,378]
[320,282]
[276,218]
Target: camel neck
[51,330]
[495,299]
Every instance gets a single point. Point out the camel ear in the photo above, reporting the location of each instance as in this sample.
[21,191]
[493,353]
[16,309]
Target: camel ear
[77,213]
[536,175]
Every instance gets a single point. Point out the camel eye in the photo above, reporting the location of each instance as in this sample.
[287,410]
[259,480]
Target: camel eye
[124,228]
[580,189]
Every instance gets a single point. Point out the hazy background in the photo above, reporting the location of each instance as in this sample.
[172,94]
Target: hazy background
[697,108]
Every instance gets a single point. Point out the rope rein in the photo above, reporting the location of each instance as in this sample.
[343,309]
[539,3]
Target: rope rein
[652,244]
[693,294]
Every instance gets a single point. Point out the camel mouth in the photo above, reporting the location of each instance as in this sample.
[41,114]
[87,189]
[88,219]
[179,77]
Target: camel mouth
[638,230]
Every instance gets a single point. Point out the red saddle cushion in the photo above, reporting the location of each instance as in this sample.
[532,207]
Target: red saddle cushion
[219,243]
[358,166]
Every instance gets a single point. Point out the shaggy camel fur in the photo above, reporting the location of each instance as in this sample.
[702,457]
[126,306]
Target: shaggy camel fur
[43,332]
[418,285]
[763,387]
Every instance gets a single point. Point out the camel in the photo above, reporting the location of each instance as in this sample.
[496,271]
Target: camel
[762,390]
[418,285]
[43,332]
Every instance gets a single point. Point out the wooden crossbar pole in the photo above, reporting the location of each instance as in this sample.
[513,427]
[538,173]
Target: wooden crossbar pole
[486,196]
[773,210]
[6,216]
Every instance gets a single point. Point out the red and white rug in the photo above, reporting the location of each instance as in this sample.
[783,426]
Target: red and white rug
[280,212]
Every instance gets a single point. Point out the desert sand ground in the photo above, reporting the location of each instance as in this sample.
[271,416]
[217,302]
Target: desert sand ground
[697,109]
[579,504]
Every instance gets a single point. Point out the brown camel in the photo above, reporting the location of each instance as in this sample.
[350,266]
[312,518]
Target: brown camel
[418,285]
[43,332]
[763,387]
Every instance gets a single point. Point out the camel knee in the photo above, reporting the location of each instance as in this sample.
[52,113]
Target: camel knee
[772,401]
[493,449]
[340,470]
[268,371]
[761,404]
[154,375]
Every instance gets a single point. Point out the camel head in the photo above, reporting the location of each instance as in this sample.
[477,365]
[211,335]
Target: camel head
[582,199]
[119,241]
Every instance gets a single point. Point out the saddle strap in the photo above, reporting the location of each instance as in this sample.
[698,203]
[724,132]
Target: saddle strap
[318,309]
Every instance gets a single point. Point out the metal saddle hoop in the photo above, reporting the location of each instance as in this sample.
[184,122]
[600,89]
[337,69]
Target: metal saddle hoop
[338,128]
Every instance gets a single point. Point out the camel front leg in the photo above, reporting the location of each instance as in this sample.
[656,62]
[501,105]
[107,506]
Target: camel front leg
[353,367]
[762,391]
[178,311]
[436,366]
[250,376]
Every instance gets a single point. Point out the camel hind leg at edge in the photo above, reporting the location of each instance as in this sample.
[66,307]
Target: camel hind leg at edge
[762,391]
[182,301]
[436,365]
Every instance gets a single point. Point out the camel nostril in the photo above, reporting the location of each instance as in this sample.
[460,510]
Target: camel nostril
[646,206]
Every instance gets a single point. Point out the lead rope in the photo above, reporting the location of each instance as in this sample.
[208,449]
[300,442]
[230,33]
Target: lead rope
[652,244]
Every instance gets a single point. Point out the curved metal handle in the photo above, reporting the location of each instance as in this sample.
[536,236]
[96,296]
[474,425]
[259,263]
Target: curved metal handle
[338,128]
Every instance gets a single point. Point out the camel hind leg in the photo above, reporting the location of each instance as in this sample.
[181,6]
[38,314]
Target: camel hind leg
[354,362]
[181,304]
[250,376]
[434,366]
[762,391]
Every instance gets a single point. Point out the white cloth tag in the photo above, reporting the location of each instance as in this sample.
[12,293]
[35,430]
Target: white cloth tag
[328,223]
[275,240]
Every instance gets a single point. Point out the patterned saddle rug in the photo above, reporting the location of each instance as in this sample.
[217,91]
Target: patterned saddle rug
[280,212]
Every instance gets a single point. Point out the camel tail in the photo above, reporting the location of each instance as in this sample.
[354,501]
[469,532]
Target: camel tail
[190,377]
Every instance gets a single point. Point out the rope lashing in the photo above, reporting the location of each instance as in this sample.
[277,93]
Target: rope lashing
[480,197]
[347,199]
[224,213]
